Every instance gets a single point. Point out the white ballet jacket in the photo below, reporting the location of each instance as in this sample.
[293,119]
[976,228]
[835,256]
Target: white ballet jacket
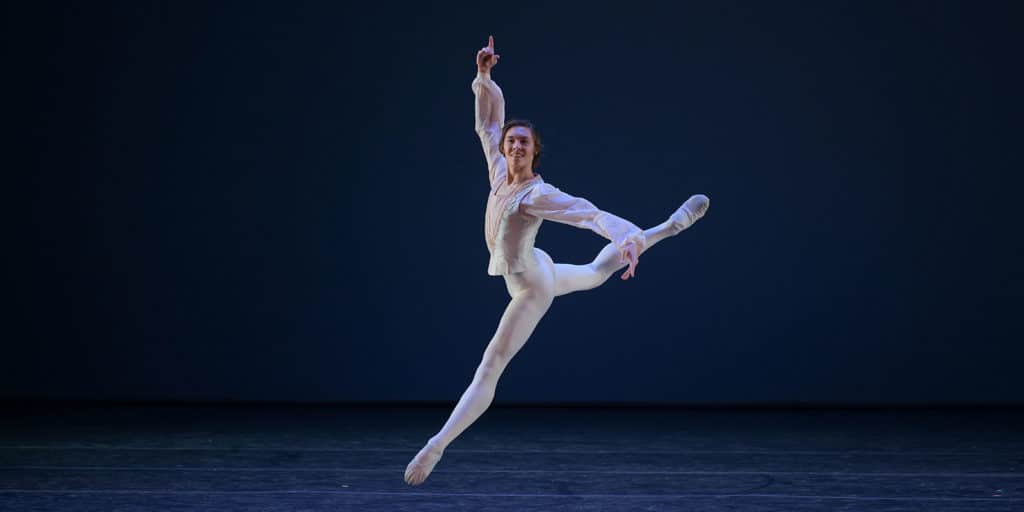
[515,211]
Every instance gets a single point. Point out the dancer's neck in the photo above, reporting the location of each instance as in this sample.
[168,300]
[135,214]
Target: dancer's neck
[517,176]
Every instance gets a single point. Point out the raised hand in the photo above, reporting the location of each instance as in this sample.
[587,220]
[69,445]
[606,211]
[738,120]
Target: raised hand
[629,253]
[486,58]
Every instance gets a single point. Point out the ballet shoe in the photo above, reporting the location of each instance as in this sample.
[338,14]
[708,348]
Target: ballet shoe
[423,464]
[693,209]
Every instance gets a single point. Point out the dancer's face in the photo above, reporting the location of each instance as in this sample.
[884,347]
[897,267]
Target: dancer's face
[519,147]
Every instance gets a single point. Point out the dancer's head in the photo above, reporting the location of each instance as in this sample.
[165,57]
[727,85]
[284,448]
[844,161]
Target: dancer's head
[520,137]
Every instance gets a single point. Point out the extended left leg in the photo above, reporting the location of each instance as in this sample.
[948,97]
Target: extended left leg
[574,278]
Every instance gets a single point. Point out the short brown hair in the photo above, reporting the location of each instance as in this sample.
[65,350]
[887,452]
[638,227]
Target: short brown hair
[536,138]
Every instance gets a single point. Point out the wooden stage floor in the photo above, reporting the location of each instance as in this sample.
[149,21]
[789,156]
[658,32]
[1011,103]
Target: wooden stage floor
[280,457]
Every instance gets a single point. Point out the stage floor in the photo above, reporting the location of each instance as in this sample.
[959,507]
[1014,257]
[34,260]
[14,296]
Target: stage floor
[223,457]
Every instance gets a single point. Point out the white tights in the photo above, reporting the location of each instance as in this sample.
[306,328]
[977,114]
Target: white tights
[532,292]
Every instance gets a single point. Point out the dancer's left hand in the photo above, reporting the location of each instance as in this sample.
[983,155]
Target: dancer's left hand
[629,253]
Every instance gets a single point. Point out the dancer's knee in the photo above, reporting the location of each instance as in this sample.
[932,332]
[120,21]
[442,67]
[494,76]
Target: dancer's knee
[490,369]
[494,363]
[591,277]
[602,270]
[607,262]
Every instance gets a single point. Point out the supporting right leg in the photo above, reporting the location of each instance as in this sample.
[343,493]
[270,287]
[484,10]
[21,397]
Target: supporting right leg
[517,323]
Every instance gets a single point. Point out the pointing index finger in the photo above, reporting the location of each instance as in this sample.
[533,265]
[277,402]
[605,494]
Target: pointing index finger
[490,42]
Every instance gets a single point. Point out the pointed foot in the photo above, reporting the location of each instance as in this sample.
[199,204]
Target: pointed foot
[423,464]
[690,212]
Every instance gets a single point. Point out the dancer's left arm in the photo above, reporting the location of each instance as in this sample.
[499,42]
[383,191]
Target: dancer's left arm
[547,202]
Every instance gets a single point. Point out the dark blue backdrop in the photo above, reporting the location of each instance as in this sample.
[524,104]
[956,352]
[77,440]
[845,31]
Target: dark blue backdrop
[284,201]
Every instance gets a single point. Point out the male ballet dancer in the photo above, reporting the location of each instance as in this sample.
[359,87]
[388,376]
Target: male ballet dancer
[517,204]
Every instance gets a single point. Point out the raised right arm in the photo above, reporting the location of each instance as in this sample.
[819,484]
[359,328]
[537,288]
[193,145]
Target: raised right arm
[490,110]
